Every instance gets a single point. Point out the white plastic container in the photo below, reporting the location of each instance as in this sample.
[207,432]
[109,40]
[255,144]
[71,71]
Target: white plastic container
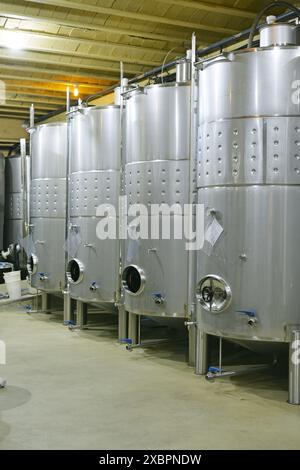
[13,284]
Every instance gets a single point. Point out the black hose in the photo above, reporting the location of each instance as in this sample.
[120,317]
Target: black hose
[264,11]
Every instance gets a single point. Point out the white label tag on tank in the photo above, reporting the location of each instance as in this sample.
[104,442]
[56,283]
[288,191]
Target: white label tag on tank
[213,232]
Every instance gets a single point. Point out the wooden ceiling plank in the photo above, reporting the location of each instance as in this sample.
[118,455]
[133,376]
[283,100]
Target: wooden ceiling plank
[7,11]
[52,83]
[34,47]
[98,71]
[93,42]
[71,5]
[212,8]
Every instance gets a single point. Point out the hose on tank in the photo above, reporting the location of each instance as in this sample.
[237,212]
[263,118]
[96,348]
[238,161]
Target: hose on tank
[266,10]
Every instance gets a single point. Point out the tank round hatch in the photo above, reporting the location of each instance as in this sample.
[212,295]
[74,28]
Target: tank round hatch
[32,265]
[75,271]
[133,280]
[214,294]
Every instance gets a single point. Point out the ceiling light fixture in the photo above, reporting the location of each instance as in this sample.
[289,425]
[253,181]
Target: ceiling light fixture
[13,40]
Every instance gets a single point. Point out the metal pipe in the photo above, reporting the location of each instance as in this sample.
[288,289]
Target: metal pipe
[119,298]
[294,368]
[31,119]
[68,99]
[67,218]
[24,186]
[109,90]
[191,280]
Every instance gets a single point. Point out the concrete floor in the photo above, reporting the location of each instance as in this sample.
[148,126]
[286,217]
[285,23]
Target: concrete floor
[84,391]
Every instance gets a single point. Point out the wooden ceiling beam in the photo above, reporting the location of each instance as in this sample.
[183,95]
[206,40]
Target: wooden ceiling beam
[16,62]
[71,5]
[4,141]
[50,83]
[20,96]
[212,8]
[14,114]
[60,48]
[33,92]
[23,105]
[95,42]
[8,10]
[42,91]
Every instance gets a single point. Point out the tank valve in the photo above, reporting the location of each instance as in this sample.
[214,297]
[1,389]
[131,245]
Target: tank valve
[252,321]
[251,316]
[94,286]
[190,323]
[43,277]
[271,19]
[158,299]
[73,227]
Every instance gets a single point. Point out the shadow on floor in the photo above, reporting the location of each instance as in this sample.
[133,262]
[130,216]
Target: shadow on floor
[12,397]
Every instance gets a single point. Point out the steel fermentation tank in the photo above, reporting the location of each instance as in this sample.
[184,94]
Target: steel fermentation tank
[48,206]
[2,196]
[95,153]
[249,181]
[13,230]
[157,155]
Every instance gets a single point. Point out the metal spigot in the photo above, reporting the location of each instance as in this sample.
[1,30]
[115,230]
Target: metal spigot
[73,227]
[252,321]
[94,286]
[251,316]
[190,323]
[158,299]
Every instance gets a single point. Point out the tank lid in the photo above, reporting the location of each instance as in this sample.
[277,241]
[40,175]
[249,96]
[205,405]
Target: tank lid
[50,124]
[183,70]
[278,34]
[84,110]
[167,85]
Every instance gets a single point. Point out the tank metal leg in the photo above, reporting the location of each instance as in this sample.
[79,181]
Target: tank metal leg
[201,366]
[192,345]
[123,324]
[45,301]
[68,310]
[36,302]
[134,328]
[81,318]
[294,368]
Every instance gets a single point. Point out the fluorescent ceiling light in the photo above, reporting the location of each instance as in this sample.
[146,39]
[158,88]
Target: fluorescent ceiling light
[12,40]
